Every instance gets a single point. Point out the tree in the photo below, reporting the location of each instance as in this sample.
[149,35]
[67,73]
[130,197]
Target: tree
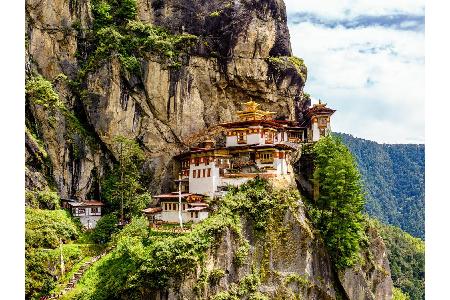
[105,227]
[337,210]
[122,188]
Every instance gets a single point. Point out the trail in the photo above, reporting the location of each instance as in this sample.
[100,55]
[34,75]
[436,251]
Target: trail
[76,277]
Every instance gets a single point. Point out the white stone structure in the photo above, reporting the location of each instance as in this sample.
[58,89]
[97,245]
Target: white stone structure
[193,209]
[255,145]
[88,211]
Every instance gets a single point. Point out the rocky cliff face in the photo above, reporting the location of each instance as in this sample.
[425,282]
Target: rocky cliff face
[292,263]
[162,107]
[165,108]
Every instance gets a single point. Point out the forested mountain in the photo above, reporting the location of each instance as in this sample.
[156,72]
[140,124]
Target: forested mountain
[406,258]
[394,176]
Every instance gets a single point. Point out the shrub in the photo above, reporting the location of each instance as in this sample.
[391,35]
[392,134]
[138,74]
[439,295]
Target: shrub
[105,227]
[215,276]
[48,199]
[44,228]
[40,91]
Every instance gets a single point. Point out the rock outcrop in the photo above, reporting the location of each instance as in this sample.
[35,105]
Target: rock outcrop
[162,107]
[292,263]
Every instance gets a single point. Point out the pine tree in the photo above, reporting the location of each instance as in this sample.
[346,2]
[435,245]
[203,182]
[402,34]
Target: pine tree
[122,188]
[336,211]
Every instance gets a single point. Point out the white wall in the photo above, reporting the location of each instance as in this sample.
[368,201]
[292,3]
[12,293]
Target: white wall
[89,222]
[171,216]
[203,185]
[252,138]
[315,132]
[87,211]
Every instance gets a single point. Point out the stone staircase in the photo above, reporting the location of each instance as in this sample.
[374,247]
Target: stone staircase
[76,277]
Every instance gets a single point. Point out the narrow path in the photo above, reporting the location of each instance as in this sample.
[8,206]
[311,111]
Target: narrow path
[76,277]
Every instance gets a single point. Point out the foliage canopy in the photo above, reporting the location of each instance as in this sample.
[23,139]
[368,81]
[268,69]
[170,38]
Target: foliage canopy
[336,212]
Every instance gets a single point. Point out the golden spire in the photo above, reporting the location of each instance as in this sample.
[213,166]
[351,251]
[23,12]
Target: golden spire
[250,106]
[251,112]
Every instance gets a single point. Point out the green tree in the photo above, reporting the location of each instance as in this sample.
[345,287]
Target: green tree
[336,211]
[105,227]
[122,188]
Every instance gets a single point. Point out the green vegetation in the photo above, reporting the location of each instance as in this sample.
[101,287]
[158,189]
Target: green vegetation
[215,13]
[397,294]
[247,286]
[47,234]
[46,199]
[123,183]
[336,212]
[406,256]
[281,63]
[40,91]
[117,32]
[44,229]
[144,260]
[105,228]
[394,177]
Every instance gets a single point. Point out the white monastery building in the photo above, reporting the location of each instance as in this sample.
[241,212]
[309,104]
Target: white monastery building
[88,211]
[256,144]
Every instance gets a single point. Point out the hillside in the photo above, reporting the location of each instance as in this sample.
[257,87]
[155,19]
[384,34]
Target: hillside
[394,175]
[406,258]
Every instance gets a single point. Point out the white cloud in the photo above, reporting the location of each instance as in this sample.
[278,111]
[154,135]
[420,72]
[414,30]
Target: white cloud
[347,9]
[373,76]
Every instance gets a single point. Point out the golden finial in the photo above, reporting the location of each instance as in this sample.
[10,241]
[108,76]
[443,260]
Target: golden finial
[251,106]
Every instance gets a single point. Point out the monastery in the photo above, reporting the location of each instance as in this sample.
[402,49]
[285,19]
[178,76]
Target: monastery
[256,144]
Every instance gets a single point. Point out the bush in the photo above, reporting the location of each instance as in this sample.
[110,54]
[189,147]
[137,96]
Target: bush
[40,91]
[48,199]
[44,228]
[106,226]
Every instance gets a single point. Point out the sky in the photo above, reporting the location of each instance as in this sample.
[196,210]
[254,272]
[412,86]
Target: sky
[365,58]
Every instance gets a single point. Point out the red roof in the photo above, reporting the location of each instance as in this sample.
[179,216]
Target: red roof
[87,203]
[270,123]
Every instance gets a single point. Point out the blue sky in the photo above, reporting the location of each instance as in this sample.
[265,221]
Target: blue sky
[366,59]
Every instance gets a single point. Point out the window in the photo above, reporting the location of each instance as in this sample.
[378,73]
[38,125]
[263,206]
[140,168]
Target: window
[322,132]
[175,206]
[204,171]
[196,161]
[81,211]
[165,206]
[184,206]
[209,172]
[266,157]
[196,214]
[241,137]
[322,121]
[194,173]
[94,210]
[192,214]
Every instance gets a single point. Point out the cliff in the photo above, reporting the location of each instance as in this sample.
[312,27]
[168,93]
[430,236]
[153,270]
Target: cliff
[160,106]
[241,52]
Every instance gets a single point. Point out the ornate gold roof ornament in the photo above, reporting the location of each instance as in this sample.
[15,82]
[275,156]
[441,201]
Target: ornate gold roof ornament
[250,106]
[251,112]
[320,104]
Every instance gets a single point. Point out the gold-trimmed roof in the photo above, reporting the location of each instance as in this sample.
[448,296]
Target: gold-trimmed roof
[251,112]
